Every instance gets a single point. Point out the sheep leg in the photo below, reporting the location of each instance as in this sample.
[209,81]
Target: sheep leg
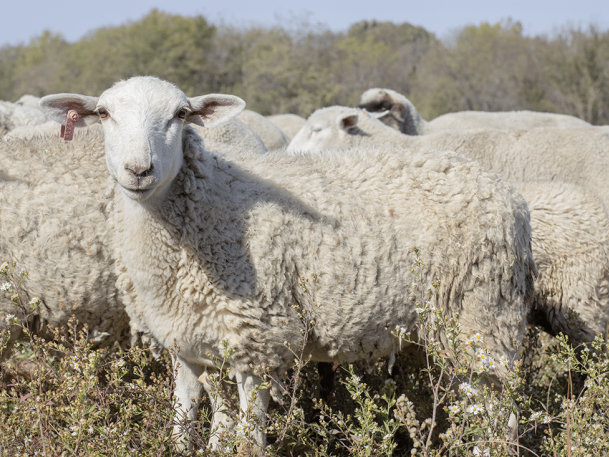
[221,421]
[187,391]
[253,401]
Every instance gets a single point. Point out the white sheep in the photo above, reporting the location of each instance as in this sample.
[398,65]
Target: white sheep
[289,124]
[271,135]
[214,250]
[403,116]
[29,100]
[53,223]
[576,155]
[570,227]
[19,115]
[231,136]
[570,224]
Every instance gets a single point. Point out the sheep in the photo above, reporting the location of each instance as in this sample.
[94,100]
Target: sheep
[271,135]
[289,124]
[233,135]
[403,116]
[28,100]
[575,155]
[212,251]
[570,224]
[570,228]
[19,115]
[54,224]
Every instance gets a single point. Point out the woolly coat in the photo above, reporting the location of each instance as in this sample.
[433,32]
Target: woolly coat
[576,155]
[232,136]
[225,254]
[54,224]
[271,135]
[289,124]
[571,248]
[569,223]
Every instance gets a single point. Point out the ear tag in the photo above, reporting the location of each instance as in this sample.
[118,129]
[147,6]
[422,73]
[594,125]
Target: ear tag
[63,131]
[71,119]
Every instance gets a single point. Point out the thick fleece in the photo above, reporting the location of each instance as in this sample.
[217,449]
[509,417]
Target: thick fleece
[570,224]
[404,117]
[271,135]
[289,124]
[229,137]
[571,248]
[54,224]
[576,155]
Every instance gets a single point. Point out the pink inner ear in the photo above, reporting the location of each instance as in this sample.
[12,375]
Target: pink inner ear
[349,121]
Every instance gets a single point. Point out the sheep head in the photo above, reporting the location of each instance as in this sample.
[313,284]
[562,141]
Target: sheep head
[326,128]
[143,118]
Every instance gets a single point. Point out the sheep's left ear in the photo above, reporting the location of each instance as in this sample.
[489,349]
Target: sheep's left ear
[348,122]
[213,110]
[55,107]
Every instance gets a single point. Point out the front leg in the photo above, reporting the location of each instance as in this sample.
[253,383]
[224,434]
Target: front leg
[221,421]
[253,401]
[187,391]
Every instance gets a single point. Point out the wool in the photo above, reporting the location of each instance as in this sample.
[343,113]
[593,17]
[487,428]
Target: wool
[289,124]
[271,135]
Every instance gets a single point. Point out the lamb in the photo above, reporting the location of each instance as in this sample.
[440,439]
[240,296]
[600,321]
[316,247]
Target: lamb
[271,135]
[212,250]
[289,124]
[404,117]
[570,224]
[576,155]
[54,224]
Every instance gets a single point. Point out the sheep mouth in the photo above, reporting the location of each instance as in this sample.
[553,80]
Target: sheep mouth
[139,193]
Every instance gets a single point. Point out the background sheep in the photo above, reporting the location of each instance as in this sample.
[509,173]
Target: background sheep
[233,135]
[570,227]
[404,117]
[54,224]
[19,115]
[570,224]
[215,250]
[289,124]
[271,135]
[576,155]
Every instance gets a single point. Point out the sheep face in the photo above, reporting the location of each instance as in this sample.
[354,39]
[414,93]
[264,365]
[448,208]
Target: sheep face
[323,130]
[143,119]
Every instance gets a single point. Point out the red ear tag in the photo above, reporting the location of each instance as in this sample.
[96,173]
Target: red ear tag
[63,131]
[71,119]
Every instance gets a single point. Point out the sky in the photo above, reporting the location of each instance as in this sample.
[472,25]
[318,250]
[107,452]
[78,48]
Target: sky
[23,20]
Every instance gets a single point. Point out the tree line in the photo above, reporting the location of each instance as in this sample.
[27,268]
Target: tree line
[489,67]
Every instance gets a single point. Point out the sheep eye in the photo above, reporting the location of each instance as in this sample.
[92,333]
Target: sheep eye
[181,114]
[103,113]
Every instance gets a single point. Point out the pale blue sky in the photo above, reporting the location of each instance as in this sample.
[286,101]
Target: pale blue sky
[23,20]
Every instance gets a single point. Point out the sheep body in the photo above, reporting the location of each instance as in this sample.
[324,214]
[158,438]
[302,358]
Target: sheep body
[570,228]
[271,135]
[575,155]
[54,224]
[289,124]
[231,136]
[570,224]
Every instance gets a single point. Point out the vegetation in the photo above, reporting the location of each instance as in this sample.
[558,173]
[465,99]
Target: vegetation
[64,397]
[490,67]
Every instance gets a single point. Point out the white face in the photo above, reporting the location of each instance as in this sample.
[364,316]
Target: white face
[143,134]
[143,119]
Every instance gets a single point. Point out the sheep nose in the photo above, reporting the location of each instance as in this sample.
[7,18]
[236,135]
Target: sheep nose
[138,171]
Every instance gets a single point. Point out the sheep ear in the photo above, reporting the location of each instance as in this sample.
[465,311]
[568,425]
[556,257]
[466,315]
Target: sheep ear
[397,111]
[55,107]
[213,110]
[347,122]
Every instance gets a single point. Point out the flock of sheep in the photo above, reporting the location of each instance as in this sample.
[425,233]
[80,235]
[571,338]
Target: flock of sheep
[191,221]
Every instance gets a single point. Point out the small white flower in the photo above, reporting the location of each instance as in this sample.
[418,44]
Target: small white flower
[546,419]
[419,310]
[503,361]
[477,338]
[535,416]
[466,389]
[120,363]
[23,272]
[35,301]
[5,287]
[454,409]
[4,267]
[9,318]
[475,409]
